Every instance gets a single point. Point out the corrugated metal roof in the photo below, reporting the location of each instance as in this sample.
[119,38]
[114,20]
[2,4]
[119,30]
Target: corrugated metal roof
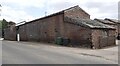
[87,23]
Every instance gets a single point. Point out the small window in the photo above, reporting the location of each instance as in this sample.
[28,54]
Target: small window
[104,33]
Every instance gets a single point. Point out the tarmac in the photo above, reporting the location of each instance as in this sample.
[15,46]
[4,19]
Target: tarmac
[109,53]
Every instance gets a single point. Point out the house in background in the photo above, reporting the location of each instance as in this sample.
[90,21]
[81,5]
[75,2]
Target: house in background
[73,24]
[106,22]
[117,22]
[111,22]
[10,33]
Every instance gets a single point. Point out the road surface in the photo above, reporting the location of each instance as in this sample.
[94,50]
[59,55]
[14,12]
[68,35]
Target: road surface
[37,53]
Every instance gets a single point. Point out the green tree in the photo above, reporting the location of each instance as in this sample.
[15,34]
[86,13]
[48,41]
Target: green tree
[4,24]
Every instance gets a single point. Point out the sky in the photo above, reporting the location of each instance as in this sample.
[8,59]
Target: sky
[27,10]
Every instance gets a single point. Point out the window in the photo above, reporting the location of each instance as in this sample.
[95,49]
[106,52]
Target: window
[104,33]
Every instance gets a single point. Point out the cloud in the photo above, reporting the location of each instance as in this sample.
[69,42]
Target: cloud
[19,10]
[58,6]
[96,8]
[119,10]
[15,15]
[106,9]
[25,3]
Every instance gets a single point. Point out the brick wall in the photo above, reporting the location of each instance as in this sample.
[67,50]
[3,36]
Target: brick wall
[77,13]
[79,36]
[46,29]
[22,33]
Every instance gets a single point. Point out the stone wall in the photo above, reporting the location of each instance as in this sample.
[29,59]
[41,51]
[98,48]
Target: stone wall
[103,37]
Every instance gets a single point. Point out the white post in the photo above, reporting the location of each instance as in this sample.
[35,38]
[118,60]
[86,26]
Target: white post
[18,37]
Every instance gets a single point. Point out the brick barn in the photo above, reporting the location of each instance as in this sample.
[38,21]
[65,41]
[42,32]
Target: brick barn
[73,24]
[49,27]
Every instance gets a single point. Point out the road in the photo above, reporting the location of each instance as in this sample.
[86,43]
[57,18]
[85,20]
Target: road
[38,53]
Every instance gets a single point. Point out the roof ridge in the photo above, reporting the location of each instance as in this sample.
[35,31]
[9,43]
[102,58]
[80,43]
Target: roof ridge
[70,8]
[75,7]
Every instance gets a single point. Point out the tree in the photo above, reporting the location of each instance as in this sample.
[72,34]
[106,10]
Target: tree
[4,24]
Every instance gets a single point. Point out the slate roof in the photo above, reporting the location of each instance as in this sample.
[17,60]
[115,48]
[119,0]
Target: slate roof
[105,21]
[87,23]
[113,20]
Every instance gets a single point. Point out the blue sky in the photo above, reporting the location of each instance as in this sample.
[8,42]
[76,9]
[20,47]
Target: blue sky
[27,10]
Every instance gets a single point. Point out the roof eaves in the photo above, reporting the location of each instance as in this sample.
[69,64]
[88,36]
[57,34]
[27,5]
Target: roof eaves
[61,12]
[104,21]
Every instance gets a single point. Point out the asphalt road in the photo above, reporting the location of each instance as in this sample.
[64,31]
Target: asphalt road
[32,53]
